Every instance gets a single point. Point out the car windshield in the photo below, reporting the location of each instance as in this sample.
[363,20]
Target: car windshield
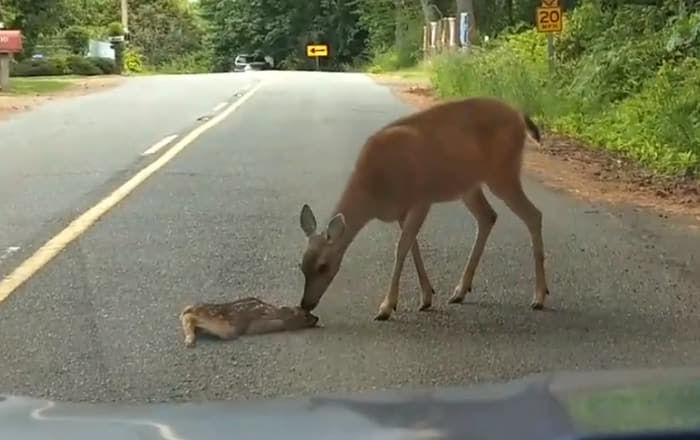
[428,194]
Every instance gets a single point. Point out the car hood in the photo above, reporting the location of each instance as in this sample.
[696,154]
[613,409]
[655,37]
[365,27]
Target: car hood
[548,406]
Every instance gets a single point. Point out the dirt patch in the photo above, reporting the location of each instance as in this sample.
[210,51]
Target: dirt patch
[10,103]
[568,164]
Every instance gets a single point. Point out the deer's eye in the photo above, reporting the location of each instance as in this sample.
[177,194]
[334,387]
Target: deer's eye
[322,268]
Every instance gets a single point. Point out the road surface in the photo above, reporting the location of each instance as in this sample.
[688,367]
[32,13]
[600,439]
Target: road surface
[220,221]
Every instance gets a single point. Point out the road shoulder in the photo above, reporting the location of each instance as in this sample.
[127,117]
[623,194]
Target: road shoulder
[26,96]
[567,164]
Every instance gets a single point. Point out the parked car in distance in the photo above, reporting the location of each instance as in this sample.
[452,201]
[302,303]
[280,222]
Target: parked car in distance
[245,62]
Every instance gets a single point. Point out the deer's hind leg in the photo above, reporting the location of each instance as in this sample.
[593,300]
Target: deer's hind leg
[485,217]
[511,192]
[427,291]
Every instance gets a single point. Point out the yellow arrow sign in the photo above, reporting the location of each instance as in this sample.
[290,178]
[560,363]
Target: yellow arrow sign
[316,50]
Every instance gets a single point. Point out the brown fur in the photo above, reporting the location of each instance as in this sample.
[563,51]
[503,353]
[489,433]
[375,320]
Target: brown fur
[440,154]
[249,316]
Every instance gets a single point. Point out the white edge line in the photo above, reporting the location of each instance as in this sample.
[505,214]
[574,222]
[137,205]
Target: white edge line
[219,106]
[160,144]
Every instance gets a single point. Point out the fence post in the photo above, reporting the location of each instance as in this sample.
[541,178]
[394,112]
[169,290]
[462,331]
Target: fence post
[433,36]
[425,41]
[452,31]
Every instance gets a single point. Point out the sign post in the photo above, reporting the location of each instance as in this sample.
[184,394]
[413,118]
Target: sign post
[464,29]
[549,21]
[316,51]
[10,42]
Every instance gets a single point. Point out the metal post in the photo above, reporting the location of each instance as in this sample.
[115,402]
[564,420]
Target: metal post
[550,51]
[317,63]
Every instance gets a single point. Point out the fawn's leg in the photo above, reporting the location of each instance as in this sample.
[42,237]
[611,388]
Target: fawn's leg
[412,224]
[222,329]
[485,218]
[189,325]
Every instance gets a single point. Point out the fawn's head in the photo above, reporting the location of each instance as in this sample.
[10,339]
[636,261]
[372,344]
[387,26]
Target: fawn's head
[322,257]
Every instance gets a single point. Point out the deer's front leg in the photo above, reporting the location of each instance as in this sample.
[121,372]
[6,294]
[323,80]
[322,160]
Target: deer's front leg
[411,225]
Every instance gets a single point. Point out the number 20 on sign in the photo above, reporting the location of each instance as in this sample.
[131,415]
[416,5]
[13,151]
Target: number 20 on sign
[549,19]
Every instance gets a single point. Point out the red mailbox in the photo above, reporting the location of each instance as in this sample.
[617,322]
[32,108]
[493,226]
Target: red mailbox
[10,41]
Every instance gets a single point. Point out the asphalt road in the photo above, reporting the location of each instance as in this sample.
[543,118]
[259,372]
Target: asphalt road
[60,157]
[220,221]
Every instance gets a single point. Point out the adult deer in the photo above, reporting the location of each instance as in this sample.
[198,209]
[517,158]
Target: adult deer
[440,154]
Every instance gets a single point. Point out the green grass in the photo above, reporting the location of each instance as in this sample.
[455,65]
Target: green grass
[419,73]
[39,86]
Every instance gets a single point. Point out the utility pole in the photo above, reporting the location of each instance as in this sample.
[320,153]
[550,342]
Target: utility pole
[125,16]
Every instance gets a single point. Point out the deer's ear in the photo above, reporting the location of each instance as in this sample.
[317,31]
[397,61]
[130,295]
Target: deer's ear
[307,220]
[336,227]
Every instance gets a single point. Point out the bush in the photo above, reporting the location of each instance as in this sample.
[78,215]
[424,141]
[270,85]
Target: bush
[82,66]
[77,38]
[627,80]
[40,67]
[197,62]
[115,29]
[391,59]
[514,69]
[73,64]
[106,65]
[133,60]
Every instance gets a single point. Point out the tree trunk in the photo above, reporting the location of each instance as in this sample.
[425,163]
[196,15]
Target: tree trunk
[509,12]
[468,7]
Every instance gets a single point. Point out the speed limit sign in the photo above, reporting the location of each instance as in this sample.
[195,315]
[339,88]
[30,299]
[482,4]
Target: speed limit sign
[549,20]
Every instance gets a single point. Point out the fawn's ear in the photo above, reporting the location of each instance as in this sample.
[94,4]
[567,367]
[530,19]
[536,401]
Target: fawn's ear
[307,220]
[335,228]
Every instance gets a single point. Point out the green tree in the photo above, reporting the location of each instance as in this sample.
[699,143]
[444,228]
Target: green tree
[282,28]
[165,29]
[33,18]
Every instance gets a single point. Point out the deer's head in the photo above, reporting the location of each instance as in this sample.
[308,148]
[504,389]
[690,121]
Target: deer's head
[322,257]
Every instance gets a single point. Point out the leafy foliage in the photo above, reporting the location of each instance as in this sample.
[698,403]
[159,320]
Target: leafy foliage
[56,66]
[82,66]
[134,60]
[41,67]
[627,79]
[77,38]
[282,29]
[165,29]
[106,65]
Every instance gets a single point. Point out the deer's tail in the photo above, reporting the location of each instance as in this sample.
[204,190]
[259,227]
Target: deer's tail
[532,128]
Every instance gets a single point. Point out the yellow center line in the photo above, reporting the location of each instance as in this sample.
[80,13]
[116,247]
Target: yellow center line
[81,224]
